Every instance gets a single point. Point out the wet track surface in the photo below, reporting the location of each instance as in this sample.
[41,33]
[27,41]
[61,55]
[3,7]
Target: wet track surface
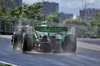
[87,54]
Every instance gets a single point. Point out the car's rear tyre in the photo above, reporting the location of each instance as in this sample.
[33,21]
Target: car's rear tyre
[29,42]
[69,44]
[17,42]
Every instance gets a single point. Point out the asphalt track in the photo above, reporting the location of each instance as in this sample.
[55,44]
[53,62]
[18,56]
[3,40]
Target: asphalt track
[87,54]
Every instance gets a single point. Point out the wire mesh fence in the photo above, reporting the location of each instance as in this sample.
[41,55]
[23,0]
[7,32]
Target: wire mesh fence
[81,31]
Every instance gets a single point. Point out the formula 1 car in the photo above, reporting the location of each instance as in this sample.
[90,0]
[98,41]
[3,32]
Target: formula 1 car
[48,39]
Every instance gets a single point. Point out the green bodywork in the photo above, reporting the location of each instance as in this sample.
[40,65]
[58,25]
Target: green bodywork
[50,30]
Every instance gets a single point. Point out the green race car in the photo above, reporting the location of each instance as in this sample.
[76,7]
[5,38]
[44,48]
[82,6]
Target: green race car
[46,39]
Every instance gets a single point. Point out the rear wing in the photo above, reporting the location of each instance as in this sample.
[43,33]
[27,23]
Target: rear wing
[51,29]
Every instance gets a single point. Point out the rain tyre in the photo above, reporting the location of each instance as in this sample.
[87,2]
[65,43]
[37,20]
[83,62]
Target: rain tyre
[69,44]
[17,41]
[29,42]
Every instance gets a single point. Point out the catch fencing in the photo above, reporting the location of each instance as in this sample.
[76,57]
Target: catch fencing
[81,31]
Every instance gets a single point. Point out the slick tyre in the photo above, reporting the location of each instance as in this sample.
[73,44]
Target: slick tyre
[29,42]
[69,44]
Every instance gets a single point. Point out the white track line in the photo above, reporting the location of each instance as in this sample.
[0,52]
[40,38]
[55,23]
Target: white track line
[7,63]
